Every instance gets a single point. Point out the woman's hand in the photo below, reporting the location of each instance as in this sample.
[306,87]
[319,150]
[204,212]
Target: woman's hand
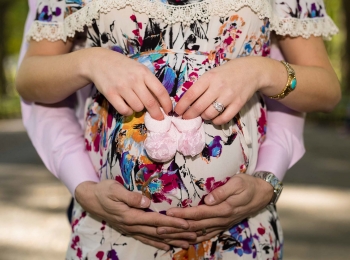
[234,82]
[127,84]
[50,73]
[241,197]
[123,209]
[231,84]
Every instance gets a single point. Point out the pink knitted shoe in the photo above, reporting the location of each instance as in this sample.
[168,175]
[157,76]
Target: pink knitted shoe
[161,141]
[191,135]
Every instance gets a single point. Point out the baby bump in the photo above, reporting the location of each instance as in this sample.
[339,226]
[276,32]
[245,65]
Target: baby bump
[116,143]
[116,147]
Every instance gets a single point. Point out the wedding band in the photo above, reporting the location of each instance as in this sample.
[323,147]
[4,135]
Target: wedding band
[204,231]
[218,106]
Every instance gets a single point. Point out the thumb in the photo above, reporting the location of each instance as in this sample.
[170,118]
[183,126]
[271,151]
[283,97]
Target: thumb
[220,194]
[137,200]
[132,199]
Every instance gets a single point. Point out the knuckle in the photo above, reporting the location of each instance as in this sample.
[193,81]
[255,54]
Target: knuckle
[194,227]
[190,95]
[151,103]
[142,70]
[239,182]
[138,107]
[199,108]
[219,193]
[133,198]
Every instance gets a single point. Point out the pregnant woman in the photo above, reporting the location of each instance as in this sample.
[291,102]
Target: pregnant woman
[204,58]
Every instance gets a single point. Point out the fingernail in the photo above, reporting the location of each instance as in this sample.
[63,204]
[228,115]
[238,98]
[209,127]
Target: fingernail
[166,248]
[170,113]
[210,199]
[170,214]
[144,202]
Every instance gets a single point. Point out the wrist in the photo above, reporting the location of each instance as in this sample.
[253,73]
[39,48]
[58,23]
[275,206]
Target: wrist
[265,189]
[274,77]
[85,192]
[91,58]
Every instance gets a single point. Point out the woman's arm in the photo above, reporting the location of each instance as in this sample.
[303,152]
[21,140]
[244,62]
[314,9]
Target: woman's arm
[318,88]
[49,74]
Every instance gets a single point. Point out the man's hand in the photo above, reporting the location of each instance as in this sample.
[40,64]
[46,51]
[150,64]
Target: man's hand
[123,209]
[241,197]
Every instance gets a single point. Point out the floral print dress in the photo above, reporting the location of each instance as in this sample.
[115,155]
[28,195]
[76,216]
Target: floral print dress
[178,40]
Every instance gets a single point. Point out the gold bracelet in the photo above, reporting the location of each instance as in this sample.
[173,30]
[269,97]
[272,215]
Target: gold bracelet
[291,82]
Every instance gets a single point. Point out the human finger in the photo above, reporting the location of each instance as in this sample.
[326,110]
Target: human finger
[198,226]
[191,95]
[229,113]
[150,103]
[150,242]
[120,105]
[159,91]
[152,232]
[200,212]
[138,217]
[117,192]
[133,100]
[201,105]
[233,186]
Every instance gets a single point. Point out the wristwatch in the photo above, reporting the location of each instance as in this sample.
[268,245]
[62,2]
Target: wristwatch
[275,183]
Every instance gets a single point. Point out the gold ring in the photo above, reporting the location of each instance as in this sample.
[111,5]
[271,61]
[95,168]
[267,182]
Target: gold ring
[204,231]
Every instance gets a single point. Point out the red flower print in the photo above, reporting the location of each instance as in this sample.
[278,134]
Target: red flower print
[133,18]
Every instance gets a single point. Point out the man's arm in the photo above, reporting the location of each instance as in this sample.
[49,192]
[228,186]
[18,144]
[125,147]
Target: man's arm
[284,143]
[56,133]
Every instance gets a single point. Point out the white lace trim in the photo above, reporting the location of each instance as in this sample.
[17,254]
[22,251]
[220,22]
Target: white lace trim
[294,27]
[186,13]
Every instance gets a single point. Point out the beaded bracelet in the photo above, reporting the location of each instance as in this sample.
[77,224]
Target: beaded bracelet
[291,82]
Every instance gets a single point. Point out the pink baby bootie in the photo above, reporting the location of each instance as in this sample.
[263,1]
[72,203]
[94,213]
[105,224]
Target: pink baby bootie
[191,135]
[161,141]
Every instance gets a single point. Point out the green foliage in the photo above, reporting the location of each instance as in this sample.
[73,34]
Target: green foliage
[15,20]
[335,49]
[10,107]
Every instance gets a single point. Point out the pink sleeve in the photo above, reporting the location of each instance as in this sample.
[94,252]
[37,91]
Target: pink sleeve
[284,143]
[57,135]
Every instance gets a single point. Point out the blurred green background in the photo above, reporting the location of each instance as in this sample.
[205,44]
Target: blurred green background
[13,15]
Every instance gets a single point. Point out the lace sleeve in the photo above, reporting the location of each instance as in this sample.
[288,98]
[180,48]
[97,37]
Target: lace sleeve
[302,18]
[50,18]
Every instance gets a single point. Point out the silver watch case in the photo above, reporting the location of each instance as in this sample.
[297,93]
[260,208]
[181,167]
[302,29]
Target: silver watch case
[275,183]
